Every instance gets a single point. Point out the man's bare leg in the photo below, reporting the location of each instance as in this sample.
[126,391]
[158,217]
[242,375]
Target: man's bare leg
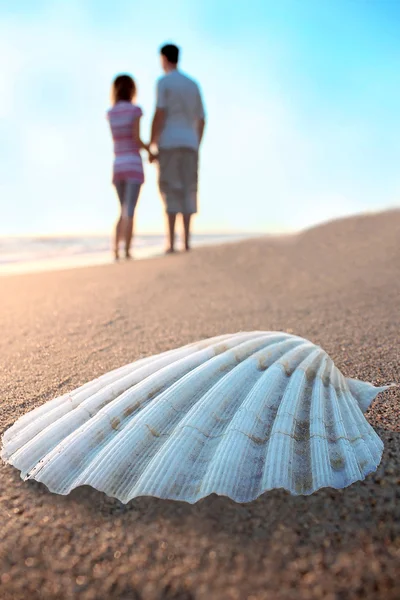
[186,227]
[171,231]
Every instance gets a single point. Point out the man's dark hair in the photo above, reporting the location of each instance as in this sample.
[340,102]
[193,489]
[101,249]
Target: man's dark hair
[171,53]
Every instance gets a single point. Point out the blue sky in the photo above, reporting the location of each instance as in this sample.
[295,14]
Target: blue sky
[302,99]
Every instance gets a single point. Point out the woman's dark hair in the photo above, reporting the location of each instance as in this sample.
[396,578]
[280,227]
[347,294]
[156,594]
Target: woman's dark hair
[171,53]
[124,88]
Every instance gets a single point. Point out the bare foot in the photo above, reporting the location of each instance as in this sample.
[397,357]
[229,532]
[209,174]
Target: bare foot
[170,251]
[128,255]
[116,255]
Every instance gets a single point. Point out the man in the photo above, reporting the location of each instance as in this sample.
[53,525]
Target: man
[177,130]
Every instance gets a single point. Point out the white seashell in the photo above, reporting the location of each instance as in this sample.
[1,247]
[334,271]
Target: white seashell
[234,415]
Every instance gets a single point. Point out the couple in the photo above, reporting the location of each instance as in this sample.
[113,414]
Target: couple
[176,134]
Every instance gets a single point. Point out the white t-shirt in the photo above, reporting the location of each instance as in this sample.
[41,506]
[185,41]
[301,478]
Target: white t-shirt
[180,98]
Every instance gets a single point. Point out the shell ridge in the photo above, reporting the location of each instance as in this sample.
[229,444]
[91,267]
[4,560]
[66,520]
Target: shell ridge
[278,339]
[371,444]
[30,424]
[108,378]
[354,423]
[66,404]
[57,448]
[46,408]
[326,460]
[178,383]
[299,471]
[220,451]
[219,437]
[302,476]
[276,343]
[331,477]
[171,443]
[343,460]
[256,442]
[277,468]
[320,456]
[103,413]
[279,342]
[274,353]
[98,397]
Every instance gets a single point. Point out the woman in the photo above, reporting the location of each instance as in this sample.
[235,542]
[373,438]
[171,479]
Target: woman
[124,118]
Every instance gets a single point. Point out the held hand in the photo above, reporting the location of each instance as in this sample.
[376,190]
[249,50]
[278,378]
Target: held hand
[152,157]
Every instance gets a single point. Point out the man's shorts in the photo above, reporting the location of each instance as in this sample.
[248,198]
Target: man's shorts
[178,176]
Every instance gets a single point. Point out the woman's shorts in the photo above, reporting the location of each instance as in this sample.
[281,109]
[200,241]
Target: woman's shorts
[128,194]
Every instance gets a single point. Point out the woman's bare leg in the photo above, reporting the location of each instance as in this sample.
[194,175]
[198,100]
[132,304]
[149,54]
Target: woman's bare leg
[118,236]
[186,227]
[128,236]
[171,231]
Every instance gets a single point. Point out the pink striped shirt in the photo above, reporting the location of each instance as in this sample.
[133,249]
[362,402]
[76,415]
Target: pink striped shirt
[128,164]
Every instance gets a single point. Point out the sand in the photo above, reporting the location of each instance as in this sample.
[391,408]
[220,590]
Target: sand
[338,285]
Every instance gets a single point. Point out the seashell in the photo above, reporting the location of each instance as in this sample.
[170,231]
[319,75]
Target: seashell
[235,415]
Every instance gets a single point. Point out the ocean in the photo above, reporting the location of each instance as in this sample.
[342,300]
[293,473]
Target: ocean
[47,253]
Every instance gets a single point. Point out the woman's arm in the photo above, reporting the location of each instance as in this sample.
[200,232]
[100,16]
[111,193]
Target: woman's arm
[136,135]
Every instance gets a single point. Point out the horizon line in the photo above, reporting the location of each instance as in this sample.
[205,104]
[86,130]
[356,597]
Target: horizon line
[145,233]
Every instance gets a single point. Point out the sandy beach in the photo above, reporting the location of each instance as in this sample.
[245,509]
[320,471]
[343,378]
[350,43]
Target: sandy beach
[337,285]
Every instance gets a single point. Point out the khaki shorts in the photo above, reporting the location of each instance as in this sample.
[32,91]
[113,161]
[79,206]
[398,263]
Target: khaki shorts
[178,176]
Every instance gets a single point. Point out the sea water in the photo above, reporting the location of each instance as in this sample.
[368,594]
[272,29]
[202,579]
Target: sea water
[46,253]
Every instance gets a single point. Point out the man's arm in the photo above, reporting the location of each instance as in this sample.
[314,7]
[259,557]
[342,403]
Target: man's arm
[159,115]
[201,117]
[157,126]
[201,126]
